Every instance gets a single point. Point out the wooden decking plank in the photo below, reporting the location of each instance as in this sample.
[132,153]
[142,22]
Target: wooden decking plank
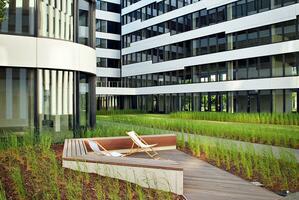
[73,147]
[78,150]
[81,145]
[64,154]
[204,181]
[69,148]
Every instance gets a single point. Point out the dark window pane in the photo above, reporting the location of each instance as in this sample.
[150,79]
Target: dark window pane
[212,44]
[204,45]
[290,64]
[253,68]
[264,5]
[290,30]
[221,14]
[252,38]
[251,7]
[242,39]
[264,35]
[277,35]
[203,18]
[241,70]
[212,16]
[265,67]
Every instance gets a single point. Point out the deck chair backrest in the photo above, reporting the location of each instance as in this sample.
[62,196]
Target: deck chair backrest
[136,140]
[95,147]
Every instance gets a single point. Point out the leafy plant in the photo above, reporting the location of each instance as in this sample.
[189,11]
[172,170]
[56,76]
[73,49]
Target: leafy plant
[280,172]
[18,182]
[3,4]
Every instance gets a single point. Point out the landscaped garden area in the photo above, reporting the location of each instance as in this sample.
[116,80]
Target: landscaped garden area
[34,171]
[258,148]
[228,141]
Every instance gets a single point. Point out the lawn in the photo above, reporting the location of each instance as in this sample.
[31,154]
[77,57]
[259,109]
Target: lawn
[278,135]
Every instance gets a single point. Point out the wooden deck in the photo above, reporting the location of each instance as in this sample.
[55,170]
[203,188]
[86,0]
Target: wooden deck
[203,181]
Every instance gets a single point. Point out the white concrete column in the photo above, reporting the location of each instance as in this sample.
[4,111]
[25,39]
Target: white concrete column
[53,92]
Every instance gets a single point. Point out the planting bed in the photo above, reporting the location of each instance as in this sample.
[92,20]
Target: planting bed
[35,172]
[276,174]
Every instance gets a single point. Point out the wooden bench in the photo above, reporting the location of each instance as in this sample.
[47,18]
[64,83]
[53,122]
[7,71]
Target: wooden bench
[161,174]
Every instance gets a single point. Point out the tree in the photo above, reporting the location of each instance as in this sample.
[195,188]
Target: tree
[2,9]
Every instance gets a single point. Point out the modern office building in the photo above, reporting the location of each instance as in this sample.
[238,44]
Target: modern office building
[208,55]
[152,55]
[47,66]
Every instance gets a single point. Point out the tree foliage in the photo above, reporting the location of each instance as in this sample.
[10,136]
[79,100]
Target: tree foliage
[2,9]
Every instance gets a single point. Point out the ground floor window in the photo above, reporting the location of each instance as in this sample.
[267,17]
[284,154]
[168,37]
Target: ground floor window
[16,99]
[253,101]
[45,101]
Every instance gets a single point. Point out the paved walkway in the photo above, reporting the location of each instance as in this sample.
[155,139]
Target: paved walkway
[203,181]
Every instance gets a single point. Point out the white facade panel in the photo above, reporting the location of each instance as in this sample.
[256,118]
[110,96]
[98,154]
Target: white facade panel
[108,16]
[138,24]
[112,1]
[108,36]
[115,91]
[108,53]
[108,72]
[238,85]
[22,51]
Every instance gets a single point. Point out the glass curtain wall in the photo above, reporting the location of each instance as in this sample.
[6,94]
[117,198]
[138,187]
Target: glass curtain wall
[55,101]
[20,17]
[16,99]
[86,23]
[56,19]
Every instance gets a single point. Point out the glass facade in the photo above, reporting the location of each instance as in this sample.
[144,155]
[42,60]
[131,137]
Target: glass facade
[277,101]
[198,19]
[86,23]
[56,19]
[55,100]
[50,101]
[20,18]
[16,99]
[284,31]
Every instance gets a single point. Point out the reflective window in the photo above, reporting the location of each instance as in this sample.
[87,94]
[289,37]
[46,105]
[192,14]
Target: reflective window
[19,17]
[17,99]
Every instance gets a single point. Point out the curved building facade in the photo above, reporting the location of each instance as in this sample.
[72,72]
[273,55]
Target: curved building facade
[47,66]
[203,55]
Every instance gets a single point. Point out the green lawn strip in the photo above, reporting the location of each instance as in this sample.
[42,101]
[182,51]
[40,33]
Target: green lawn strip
[119,129]
[286,136]
[260,118]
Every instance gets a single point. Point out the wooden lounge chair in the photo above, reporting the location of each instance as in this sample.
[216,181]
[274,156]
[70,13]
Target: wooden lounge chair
[142,145]
[95,146]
